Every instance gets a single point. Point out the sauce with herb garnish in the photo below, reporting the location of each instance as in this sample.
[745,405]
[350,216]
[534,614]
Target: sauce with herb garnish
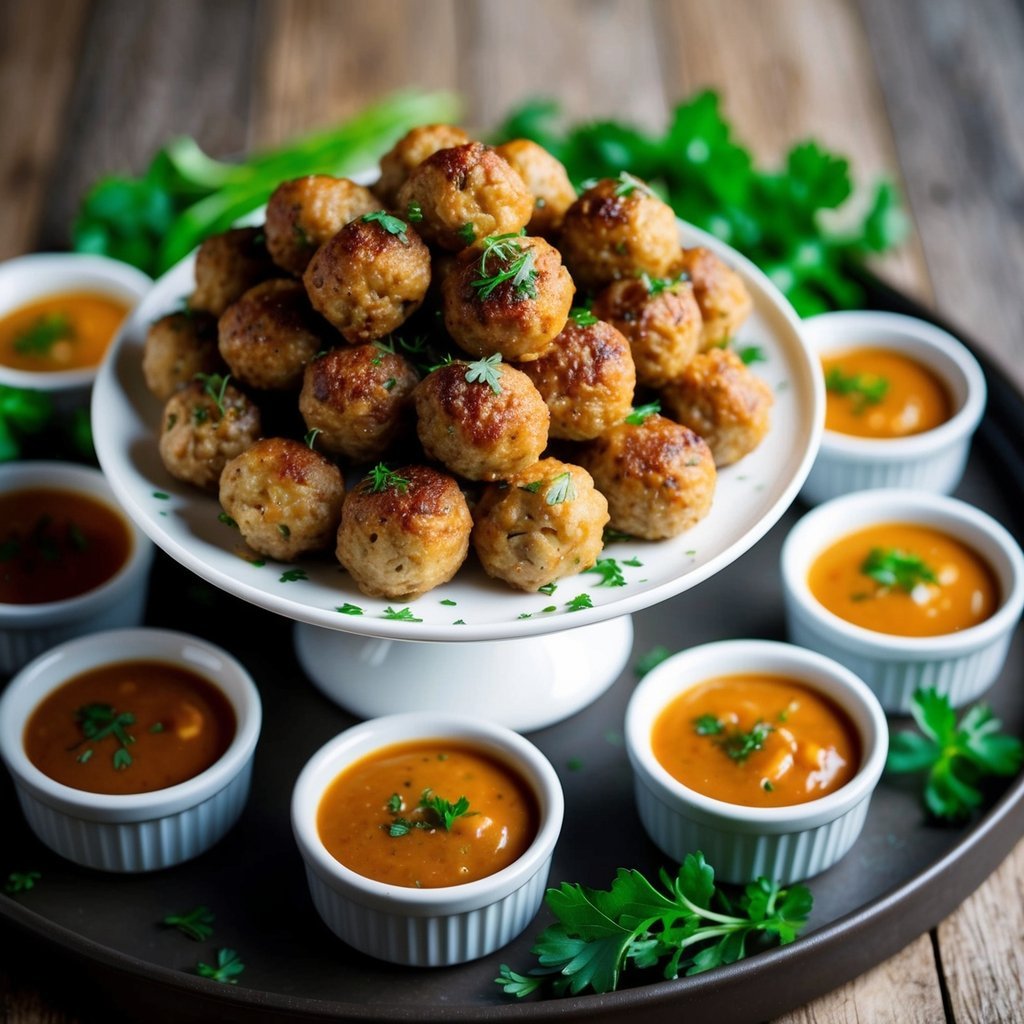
[874,392]
[906,580]
[427,814]
[129,727]
[57,544]
[67,331]
[758,741]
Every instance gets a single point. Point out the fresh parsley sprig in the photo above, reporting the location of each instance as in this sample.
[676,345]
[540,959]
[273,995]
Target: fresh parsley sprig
[390,223]
[215,385]
[513,261]
[196,923]
[226,970]
[444,811]
[21,881]
[383,479]
[97,722]
[891,567]
[688,928]
[956,757]
[486,371]
[865,389]
[642,413]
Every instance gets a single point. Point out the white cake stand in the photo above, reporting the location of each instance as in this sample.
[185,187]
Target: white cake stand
[524,660]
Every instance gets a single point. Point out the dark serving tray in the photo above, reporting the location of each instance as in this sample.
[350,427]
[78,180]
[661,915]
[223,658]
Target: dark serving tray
[105,954]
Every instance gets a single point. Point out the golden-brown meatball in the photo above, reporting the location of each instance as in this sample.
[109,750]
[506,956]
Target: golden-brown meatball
[304,213]
[726,404]
[507,294]
[408,152]
[618,228]
[464,193]
[547,181]
[720,293]
[547,521]
[285,497]
[403,532]
[661,320]
[205,424]
[357,398]
[482,429]
[227,265]
[586,377]
[659,477]
[269,335]
[370,277]
[178,346]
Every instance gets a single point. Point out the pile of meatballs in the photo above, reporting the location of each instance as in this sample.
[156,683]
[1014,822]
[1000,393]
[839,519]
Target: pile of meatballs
[482,353]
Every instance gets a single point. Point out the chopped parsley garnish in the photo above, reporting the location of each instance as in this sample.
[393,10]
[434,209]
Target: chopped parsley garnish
[401,615]
[582,316]
[391,224]
[43,333]
[651,660]
[894,568]
[515,263]
[227,969]
[486,371]
[560,490]
[750,354]
[740,745]
[215,385]
[197,923]
[611,574]
[628,184]
[21,881]
[548,589]
[292,575]
[468,232]
[642,413]
[414,212]
[382,479]
[310,437]
[445,812]
[224,518]
[864,388]
[657,285]
[100,721]
[708,725]
[349,609]
[533,486]
[579,603]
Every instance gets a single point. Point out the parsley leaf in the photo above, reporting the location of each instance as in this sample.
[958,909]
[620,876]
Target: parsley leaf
[864,388]
[382,479]
[642,413]
[486,371]
[560,490]
[515,263]
[894,568]
[582,317]
[390,223]
[43,333]
[197,923]
[227,969]
[611,574]
[445,811]
[21,881]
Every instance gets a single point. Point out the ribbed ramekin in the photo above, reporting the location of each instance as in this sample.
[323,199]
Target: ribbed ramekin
[960,665]
[427,927]
[142,831]
[930,461]
[784,844]
[27,630]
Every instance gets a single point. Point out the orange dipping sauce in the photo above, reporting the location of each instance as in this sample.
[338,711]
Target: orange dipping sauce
[130,727]
[57,544]
[67,331]
[875,392]
[905,580]
[371,817]
[758,741]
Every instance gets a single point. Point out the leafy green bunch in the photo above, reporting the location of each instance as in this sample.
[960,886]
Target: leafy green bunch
[777,218]
[689,928]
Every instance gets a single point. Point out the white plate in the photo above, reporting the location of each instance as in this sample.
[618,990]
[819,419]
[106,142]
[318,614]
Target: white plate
[750,498]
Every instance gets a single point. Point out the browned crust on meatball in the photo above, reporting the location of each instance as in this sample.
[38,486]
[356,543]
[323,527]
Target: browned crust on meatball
[367,281]
[547,180]
[517,322]
[304,213]
[178,346]
[663,327]
[719,397]
[228,265]
[587,379]
[476,432]
[720,292]
[357,398]
[659,477]
[411,150]
[406,538]
[467,184]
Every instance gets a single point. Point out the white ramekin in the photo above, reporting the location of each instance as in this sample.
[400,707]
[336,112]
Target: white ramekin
[143,831]
[930,461]
[427,927]
[784,844]
[26,279]
[27,630]
[961,665]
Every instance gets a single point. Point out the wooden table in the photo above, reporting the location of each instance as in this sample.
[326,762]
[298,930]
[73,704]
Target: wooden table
[925,91]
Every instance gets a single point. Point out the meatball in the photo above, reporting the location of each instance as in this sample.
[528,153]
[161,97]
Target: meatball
[547,522]
[658,477]
[660,318]
[618,228]
[726,404]
[304,213]
[411,150]
[509,295]
[285,497]
[483,420]
[228,265]
[586,377]
[178,346]
[404,532]
[357,397]
[464,193]
[205,424]
[547,181]
[720,293]
[269,335]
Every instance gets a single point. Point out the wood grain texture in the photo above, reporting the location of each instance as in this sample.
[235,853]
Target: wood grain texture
[953,81]
[982,949]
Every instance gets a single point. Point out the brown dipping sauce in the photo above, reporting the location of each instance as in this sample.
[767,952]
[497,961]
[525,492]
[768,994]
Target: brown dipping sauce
[759,741]
[57,544]
[172,724]
[66,331]
[370,801]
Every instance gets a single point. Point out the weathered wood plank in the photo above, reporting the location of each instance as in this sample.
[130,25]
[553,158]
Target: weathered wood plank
[903,990]
[33,36]
[953,79]
[982,948]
